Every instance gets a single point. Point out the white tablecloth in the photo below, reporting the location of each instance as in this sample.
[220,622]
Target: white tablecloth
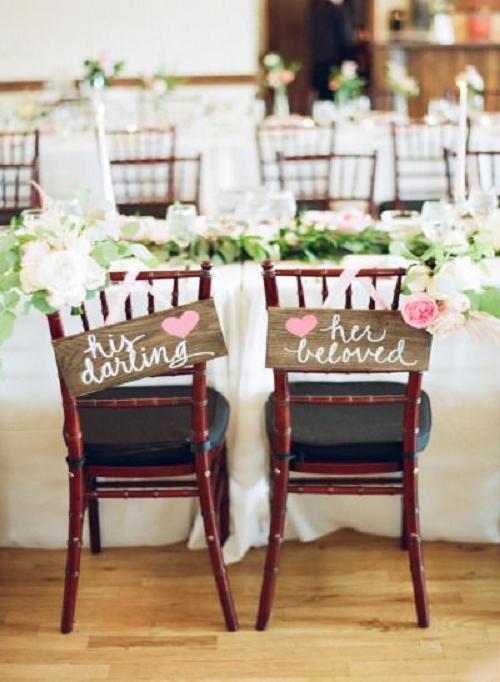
[460,469]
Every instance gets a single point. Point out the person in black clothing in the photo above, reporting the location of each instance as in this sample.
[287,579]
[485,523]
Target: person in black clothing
[332,41]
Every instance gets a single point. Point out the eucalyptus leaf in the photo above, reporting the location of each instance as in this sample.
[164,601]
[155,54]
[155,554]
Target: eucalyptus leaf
[7,320]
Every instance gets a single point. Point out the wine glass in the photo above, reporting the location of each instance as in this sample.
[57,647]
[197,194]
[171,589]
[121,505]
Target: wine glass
[283,206]
[437,219]
[482,202]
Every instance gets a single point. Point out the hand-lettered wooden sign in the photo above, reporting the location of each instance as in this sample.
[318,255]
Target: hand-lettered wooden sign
[143,347]
[329,340]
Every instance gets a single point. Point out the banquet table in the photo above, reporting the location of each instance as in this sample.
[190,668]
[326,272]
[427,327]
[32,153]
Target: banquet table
[460,469]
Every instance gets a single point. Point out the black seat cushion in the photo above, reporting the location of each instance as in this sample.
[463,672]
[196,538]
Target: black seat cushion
[146,436]
[404,205]
[349,433]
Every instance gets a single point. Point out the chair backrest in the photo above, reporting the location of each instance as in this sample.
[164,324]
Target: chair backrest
[289,140]
[136,305]
[419,168]
[323,282]
[19,166]
[482,169]
[147,174]
[326,181]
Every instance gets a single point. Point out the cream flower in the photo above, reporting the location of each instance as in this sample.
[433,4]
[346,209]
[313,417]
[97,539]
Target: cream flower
[63,275]
[272,60]
[349,69]
[417,279]
[96,276]
[32,255]
[447,322]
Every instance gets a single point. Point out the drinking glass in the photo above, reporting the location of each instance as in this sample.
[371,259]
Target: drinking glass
[283,206]
[437,219]
[181,220]
[482,202]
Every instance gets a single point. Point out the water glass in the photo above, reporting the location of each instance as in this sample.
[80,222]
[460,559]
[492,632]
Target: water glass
[283,206]
[181,221]
[437,219]
[482,202]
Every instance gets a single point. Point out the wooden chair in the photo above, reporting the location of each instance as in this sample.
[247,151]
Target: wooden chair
[134,442]
[482,169]
[147,174]
[358,438]
[419,168]
[326,181]
[19,166]
[290,140]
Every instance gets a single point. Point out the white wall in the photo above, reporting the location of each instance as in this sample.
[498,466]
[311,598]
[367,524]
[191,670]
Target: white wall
[40,39]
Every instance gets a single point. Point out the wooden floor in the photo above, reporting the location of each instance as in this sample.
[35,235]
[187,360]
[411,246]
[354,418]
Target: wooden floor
[344,612]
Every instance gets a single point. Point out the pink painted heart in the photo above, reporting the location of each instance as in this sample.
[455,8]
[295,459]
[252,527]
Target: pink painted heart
[301,326]
[181,326]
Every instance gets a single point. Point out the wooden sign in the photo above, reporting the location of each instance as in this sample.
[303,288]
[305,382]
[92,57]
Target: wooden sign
[330,340]
[142,347]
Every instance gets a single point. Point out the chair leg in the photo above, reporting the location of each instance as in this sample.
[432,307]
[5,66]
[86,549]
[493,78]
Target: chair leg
[207,505]
[94,524]
[276,532]
[76,514]
[404,534]
[223,500]
[412,524]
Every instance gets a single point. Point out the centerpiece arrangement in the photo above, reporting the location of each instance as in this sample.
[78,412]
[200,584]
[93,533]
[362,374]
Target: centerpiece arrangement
[475,87]
[99,73]
[401,84]
[345,83]
[278,77]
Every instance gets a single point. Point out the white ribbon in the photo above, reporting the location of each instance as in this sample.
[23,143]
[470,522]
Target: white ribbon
[123,291]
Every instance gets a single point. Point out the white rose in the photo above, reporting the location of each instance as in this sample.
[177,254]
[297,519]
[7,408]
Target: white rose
[455,277]
[63,275]
[272,60]
[96,276]
[349,69]
[456,242]
[291,239]
[74,242]
[32,255]
[417,279]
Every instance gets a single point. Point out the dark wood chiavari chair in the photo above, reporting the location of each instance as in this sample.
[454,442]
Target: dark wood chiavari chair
[134,442]
[419,168]
[482,169]
[327,181]
[19,166]
[291,140]
[148,175]
[358,438]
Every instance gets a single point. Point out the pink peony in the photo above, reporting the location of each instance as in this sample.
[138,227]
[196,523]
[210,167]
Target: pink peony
[419,311]
[352,220]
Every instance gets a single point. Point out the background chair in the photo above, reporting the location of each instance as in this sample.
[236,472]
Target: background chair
[358,437]
[290,140]
[137,441]
[482,170]
[419,168]
[19,166]
[147,174]
[328,181]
